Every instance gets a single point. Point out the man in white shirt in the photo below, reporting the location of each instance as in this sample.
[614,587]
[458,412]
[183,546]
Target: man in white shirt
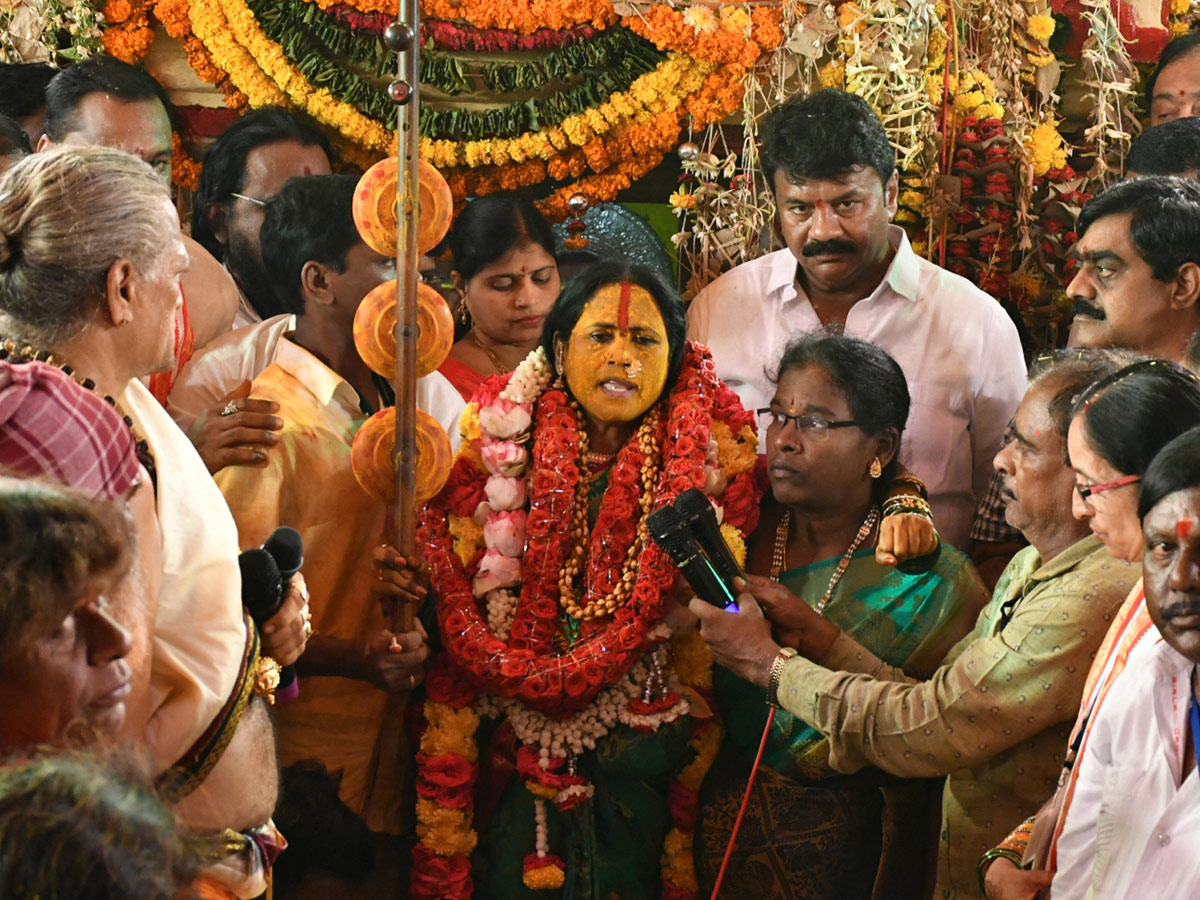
[1133,827]
[846,268]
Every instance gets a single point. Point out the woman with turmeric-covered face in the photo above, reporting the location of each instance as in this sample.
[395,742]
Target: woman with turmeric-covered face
[557,607]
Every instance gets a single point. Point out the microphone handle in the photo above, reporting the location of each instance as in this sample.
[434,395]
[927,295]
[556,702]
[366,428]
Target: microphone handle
[704,580]
[708,536]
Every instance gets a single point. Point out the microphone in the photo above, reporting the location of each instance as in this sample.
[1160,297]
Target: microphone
[266,572]
[701,520]
[670,532]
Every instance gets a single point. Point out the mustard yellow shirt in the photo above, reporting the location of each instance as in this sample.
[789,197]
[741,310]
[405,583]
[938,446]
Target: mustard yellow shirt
[309,485]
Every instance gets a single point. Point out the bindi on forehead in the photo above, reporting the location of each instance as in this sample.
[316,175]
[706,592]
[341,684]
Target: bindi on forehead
[1183,528]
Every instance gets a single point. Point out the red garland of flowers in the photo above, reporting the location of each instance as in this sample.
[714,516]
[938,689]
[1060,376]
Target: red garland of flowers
[459,37]
[522,667]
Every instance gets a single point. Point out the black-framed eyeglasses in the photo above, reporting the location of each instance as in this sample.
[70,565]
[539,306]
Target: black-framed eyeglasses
[1086,492]
[809,426]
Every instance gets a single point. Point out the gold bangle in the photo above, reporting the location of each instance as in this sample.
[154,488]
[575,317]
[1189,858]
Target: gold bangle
[776,673]
[913,481]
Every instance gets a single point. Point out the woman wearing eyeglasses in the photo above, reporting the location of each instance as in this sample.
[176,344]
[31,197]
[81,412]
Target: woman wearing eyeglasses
[1118,426]
[833,432]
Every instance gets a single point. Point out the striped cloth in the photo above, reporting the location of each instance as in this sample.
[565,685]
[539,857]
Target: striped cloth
[49,425]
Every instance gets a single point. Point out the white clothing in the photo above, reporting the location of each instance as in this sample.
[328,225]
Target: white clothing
[1132,829]
[244,353]
[246,314]
[199,634]
[957,347]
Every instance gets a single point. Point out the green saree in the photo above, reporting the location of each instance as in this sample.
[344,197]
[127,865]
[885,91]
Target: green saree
[811,833]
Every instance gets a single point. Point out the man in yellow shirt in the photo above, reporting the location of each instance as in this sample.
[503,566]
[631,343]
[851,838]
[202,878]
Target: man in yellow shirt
[353,661]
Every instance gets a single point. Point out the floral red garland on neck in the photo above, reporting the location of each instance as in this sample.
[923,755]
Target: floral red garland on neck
[533,666]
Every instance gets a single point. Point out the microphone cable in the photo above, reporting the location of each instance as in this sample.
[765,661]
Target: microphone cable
[737,823]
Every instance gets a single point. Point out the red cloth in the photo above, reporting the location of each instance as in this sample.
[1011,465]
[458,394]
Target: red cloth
[49,425]
[465,379]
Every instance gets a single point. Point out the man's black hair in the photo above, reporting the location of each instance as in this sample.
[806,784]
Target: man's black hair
[14,142]
[23,88]
[825,135]
[1165,219]
[1172,148]
[99,75]
[224,169]
[1175,468]
[1179,47]
[310,218]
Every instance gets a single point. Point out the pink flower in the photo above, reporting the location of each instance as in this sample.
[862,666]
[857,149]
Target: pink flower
[504,419]
[505,532]
[504,492]
[496,571]
[503,457]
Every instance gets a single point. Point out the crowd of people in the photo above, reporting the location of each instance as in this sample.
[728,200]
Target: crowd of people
[963,658]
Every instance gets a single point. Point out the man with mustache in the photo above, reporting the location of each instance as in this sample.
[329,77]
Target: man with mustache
[1138,277]
[846,268]
[994,718]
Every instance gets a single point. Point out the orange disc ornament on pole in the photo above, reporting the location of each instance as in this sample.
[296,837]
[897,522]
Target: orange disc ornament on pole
[375,330]
[402,206]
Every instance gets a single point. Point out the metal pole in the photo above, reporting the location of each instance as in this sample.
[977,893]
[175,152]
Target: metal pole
[402,37]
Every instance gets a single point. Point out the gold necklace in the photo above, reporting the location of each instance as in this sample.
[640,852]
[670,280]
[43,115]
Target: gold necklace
[779,553]
[576,564]
[501,369]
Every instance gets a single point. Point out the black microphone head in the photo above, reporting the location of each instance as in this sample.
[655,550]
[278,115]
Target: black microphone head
[693,503]
[677,543]
[287,548]
[663,521]
[262,591]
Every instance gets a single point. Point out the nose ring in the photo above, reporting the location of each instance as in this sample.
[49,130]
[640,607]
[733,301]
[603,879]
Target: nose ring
[633,369]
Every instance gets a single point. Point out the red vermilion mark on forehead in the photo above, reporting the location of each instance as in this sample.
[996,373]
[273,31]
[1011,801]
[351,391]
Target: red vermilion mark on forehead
[1183,528]
[308,170]
[623,308]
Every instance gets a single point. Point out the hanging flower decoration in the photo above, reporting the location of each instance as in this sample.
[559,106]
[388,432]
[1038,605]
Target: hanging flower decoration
[630,82]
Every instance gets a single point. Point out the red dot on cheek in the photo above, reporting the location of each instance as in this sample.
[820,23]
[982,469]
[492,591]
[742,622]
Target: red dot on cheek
[1183,528]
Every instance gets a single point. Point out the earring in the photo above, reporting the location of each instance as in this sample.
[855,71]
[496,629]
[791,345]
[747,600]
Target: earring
[463,315]
[876,468]
[558,384]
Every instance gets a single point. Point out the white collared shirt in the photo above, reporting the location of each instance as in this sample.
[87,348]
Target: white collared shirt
[959,351]
[1133,829]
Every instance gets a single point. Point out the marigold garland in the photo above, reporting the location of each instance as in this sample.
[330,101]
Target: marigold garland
[128,36]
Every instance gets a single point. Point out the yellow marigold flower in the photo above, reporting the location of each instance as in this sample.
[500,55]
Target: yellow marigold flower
[1040,59]
[733,539]
[446,839]
[1179,29]
[468,537]
[468,423]
[736,19]
[912,199]
[1041,26]
[968,101]
[1045,148]
[1179,7]
[832,74]
[450,731]
[683,200]
[692,661]
[990,110]
[544,878]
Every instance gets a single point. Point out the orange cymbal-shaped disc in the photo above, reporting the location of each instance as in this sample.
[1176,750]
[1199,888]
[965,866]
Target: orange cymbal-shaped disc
[375,330]
[375,203]
[372,455]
